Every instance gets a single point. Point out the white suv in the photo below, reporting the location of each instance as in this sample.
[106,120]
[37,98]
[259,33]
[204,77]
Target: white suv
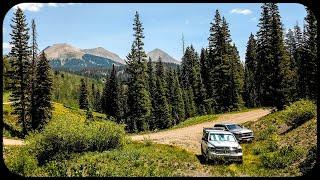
[218,144]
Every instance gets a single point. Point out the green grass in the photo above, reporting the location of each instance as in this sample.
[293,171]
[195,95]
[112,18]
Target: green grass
[59,112]
[271,154]
[6,96]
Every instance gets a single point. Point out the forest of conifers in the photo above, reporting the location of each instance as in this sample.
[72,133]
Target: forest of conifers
[280,67]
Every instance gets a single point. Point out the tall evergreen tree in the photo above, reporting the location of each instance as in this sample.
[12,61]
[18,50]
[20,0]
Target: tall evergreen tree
[283,76]
[190,106]
[204,69]
[20,69]
[251,65]
[83,98]
[237,80]
[293,44]
[310,59]
[191,77]
[152,91]
[161,109]
[138,97]
[161,72]
[111,95]
[34,51]
[43,93]
[178,111]
[264,56]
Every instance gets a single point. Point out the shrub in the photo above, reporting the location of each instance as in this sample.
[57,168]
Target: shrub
[20,161]
[266,133]
[309,163]
[299,112]
[280,159]
[61,137]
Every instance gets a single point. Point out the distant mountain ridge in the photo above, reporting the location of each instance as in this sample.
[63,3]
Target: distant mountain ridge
[66,56]
[69,57]
[165,57]
[100,51]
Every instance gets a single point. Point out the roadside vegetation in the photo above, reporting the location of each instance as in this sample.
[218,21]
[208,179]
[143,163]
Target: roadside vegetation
[278,150]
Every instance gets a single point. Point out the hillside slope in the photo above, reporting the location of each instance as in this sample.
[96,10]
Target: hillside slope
[66,88]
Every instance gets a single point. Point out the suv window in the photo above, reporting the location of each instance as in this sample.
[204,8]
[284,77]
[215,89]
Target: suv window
[220,125]
[234,126]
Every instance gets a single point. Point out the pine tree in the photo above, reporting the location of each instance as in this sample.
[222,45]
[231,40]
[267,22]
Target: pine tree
[20,69]
[264,56]
[214,62]
[34,51]
[161,109]
[237,80]
[310,55]
[220,85]
[250,83]
[161,72]
[192,110]
[294,49]
[43,93]
[83,98]
[191,77]
[111,95]
[152,91]
[138,97]
[204,69]
[177,103]
[283,74]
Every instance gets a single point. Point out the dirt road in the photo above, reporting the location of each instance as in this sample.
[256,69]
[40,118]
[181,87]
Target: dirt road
[189,137]
[12,142]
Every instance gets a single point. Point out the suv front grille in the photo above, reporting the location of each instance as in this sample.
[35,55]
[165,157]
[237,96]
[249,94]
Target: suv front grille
[246,134]
[224,150]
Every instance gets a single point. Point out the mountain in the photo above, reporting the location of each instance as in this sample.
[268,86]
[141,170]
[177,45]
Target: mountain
[156,53]
[99,51]
[75,59]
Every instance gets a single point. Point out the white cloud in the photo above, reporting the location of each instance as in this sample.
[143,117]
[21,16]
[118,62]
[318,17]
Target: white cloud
[33,7]
[53,4]
[6,46]
[241,11]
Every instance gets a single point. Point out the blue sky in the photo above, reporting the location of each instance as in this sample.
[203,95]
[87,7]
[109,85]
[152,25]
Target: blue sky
[110,25]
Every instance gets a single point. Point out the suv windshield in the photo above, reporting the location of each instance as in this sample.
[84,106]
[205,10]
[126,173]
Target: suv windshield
[222,137]
[233,126]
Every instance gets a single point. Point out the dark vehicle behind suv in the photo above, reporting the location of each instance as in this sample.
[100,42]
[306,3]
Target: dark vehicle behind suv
[240,132]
